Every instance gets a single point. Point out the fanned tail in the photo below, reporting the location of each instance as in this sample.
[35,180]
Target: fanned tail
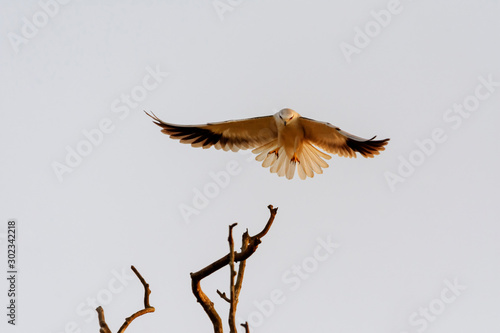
[307,161]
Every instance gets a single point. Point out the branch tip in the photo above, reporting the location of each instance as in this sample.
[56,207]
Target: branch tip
[245,325]
[223,296]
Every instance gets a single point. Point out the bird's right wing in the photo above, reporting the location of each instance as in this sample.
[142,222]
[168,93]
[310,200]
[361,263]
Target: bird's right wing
[336,141]
[228,135]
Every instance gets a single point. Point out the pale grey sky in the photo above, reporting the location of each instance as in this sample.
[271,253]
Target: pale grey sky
[404,242]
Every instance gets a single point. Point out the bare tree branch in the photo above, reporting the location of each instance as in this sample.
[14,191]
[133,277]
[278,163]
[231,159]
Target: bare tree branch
[264,231]
[233,303]
[249,246]
[253,243]
[241,269]
[147,308]
[207,304]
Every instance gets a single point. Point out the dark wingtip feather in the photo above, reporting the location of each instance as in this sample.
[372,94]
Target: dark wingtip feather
[156,120]
[196,134]
[367,148]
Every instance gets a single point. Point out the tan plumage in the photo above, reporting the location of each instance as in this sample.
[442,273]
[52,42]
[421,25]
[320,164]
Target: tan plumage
[284,141]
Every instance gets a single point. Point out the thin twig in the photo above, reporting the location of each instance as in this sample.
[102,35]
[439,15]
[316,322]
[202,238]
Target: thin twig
[245,325]
[232,307]
[241,268]
[223,296]
[147,308]
[147,291]
[264,231]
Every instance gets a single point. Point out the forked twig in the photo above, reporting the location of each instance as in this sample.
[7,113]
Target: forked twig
[147,308]
[245,325]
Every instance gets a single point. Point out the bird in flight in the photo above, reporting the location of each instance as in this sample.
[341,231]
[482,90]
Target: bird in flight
[284,141]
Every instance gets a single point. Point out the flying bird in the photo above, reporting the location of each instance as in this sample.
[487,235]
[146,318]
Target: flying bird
[284,141]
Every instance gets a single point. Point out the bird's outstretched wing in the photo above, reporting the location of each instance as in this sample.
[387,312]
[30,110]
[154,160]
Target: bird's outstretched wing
[228,135]
[333,140]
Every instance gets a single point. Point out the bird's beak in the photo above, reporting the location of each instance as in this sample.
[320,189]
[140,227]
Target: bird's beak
[284,122]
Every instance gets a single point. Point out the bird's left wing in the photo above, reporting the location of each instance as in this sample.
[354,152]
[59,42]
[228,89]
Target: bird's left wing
[334,140]
[228,135]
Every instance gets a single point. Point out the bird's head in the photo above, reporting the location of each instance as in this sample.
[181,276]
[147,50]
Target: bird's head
[287,116]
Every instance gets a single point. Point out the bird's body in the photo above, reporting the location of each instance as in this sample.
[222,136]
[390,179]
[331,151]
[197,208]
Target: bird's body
[284,141]
[290,136]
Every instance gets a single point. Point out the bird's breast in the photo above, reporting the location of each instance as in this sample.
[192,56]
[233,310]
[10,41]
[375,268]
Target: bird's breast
[290,137]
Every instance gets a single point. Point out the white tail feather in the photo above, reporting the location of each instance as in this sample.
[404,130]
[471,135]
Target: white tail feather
[266,148]
[311,160]
[301,172]
[317,157]
[269,160]
[290,169]
[319,152]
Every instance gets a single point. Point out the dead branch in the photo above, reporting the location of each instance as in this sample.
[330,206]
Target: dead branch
[147,308]
[233,300]
[249,246]
[241,269]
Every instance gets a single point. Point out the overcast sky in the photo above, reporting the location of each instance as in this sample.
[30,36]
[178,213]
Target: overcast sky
[405,242]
